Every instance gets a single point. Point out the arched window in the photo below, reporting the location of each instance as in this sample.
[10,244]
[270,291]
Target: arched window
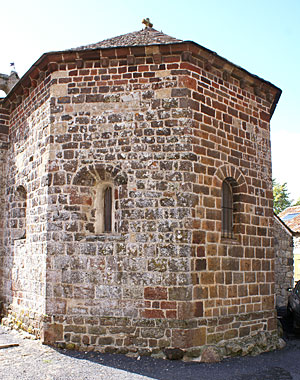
[107,207]
[227,210]
[104,208]
[95,193]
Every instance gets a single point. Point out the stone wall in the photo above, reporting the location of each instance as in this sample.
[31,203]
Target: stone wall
[171,132]
[7,82]
[24,258]
[296,257]
[164,127]
[284,259]
[4,118]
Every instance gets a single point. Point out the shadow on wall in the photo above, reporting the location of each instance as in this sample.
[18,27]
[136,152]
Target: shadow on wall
[1,310]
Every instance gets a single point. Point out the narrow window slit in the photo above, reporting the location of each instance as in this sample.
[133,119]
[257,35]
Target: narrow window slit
[108,209]
[227,210]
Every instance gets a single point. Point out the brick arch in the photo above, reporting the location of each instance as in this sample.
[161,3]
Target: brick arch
[89,175]
[88,191]
[230,172]
[235,178]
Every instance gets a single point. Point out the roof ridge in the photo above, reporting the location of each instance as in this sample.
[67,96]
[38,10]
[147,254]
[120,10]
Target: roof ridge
[146,36]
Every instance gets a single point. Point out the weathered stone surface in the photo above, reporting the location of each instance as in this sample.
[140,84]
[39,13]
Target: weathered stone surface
[284,259]
[7,82]
[174,353]
[210,355]
[112,168]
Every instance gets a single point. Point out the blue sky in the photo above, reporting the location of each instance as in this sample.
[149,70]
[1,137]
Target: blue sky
[261,36]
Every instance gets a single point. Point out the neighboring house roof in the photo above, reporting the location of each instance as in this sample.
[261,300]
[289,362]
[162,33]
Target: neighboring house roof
[281,222]
[291,217]
[144,37]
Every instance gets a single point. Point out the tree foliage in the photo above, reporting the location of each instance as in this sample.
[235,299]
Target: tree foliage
[297,203]
[281,196]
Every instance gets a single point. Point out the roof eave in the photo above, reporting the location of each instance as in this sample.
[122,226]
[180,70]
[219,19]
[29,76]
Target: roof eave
[66,56]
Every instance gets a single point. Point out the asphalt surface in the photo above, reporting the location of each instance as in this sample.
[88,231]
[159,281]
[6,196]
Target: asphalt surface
[28,359]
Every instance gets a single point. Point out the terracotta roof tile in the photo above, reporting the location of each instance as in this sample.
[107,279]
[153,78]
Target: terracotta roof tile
[147,36]
[294,221]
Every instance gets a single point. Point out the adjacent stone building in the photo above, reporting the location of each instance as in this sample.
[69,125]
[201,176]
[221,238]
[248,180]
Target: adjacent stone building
[7,82]
[137,198]
[291,217]
[284,261]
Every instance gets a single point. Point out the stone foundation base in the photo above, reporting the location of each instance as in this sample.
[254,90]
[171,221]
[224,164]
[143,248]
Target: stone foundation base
[24,320]
[165,336]
[252,345]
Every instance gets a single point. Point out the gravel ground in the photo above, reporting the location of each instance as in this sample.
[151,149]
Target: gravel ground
[31,360]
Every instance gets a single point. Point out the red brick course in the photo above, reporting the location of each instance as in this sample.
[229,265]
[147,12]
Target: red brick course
[165,129]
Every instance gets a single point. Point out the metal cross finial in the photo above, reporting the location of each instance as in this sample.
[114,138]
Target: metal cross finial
[147,22]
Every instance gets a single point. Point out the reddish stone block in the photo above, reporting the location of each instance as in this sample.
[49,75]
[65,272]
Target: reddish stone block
[171,314]
[150,313]
[200,264]
[198,309]
[264,116]
[80,199]
[168,305]
[155,293]
[198,237]
[142,68]
[73,73]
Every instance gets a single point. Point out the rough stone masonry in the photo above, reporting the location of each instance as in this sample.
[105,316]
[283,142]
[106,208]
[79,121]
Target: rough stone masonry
[115,159]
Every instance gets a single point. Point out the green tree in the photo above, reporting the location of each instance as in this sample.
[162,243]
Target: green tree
[281,196]
[297,203]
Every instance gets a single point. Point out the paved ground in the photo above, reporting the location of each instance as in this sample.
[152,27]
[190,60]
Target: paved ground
[30,360]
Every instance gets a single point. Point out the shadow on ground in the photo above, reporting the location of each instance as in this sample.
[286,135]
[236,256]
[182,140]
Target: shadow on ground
[277,365]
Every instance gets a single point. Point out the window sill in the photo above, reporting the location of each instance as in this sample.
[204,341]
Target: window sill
[230,241]
[105,236]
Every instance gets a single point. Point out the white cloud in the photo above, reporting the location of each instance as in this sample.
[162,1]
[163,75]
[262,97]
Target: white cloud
[286,160]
